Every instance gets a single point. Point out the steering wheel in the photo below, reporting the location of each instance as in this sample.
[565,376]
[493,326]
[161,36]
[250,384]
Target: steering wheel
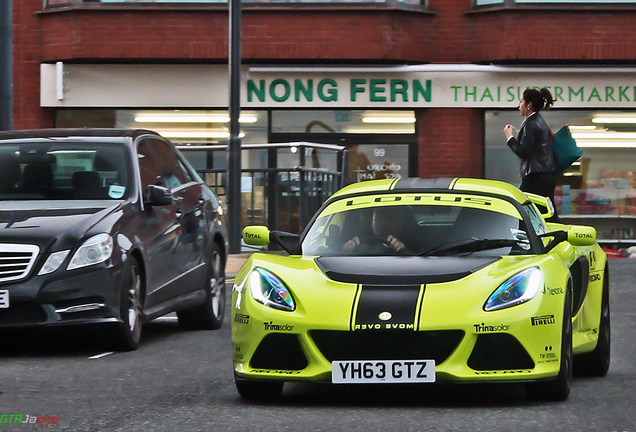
[372,240]
[375,243]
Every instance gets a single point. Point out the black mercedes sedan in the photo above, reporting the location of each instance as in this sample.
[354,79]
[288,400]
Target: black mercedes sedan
[106,227]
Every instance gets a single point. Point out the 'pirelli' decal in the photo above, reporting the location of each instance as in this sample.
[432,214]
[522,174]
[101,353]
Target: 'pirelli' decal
[387,307]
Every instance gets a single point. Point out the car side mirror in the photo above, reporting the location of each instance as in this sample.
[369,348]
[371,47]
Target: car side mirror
[258,235]
[158,196]
[576,235]
[579,235]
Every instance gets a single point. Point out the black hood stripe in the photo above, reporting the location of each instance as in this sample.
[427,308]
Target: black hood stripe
[403,302]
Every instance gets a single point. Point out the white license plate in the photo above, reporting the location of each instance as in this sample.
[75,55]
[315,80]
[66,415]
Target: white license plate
[383,371]
[4,299]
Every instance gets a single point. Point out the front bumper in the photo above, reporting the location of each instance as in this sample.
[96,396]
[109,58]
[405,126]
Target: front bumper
[85,296]
[521,343]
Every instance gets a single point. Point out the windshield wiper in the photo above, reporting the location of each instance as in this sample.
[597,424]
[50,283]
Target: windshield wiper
[471,245]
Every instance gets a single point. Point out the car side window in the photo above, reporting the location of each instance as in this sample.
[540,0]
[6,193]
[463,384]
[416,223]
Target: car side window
[537,223]
[173,171]
[148,169]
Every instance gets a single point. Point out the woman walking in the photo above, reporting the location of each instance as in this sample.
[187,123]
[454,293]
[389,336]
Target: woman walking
[534,145]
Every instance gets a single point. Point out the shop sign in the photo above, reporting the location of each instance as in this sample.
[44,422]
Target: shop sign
[425,86]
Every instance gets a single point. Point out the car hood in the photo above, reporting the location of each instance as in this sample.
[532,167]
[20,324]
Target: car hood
[400,270]
[43,222]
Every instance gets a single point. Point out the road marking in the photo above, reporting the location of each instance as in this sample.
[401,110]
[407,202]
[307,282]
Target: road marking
[101,355]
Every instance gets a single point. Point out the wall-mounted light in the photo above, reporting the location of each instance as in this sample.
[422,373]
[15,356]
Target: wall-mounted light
[379,130]
[398,120]
[207,134]
[615,120]
[575,128]
[397,117]
[605,144]
[191,118]
[604,135]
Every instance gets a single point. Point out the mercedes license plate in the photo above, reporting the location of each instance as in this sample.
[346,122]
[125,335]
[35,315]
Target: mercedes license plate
[383,371]
[4,299]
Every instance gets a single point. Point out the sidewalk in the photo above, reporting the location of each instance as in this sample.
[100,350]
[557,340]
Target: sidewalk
[234,263]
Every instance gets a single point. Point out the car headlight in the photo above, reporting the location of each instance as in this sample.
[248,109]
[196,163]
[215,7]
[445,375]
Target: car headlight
[268,289]
[520,288]
[95,250]
[53,262]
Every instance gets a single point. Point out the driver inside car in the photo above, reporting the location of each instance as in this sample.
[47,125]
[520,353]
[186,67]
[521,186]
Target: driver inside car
[385,224]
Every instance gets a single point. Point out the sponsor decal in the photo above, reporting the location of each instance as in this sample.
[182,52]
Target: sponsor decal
[242,318]
[252,236]
[583,235]
[420,198]
[386,326]
[595,277]
[503,372]
[278,327]
[275,371]
[552,291]
[548,357]
[13,419]
[483,328]
[542,320]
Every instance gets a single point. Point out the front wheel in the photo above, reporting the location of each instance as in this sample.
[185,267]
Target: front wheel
[559,389]
[597,362]
[126,336]
[208,316]
[257,390]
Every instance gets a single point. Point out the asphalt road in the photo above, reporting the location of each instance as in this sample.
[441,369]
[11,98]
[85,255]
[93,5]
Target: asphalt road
[180,380]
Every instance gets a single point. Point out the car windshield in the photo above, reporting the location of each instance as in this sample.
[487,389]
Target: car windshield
[63,171]
[426,227]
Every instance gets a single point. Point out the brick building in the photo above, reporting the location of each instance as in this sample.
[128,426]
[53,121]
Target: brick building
[410,87]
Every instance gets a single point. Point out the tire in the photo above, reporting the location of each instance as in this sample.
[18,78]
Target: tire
[597,362]
[558,389]
[126,336]
[258,390]
[209,315]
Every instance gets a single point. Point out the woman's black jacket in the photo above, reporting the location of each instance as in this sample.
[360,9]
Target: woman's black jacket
[535,146]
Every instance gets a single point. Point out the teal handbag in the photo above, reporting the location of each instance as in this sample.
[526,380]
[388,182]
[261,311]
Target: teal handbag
[565,149]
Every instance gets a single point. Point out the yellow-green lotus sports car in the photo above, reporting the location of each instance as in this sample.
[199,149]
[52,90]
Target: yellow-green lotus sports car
[423,281]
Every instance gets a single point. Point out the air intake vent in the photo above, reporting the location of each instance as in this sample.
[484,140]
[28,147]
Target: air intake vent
[16,261]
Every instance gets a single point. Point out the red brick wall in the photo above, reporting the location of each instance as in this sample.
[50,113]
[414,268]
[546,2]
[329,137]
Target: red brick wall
[363,35]
[450,142]
[548,36]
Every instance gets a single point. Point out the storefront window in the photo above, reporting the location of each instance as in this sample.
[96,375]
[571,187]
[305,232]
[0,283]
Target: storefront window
[183,128]
[374,162]
[599,189]
[539,2]
[346,121]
